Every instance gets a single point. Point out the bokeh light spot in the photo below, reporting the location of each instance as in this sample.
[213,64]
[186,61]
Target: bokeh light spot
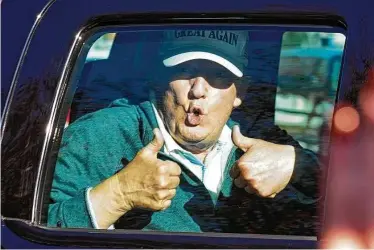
[343,239]
[346,119]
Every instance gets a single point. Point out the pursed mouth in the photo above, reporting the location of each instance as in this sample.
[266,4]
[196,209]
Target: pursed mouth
[196,110]
[195,116]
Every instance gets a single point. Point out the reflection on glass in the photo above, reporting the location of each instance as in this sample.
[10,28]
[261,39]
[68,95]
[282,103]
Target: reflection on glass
[101,48]
[308,77]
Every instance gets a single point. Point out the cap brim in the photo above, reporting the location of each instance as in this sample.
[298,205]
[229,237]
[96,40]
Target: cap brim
[187,56]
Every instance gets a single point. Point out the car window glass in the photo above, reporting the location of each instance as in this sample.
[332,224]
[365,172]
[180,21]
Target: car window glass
[305,99]
[336,65]
[100,49]
[238,112]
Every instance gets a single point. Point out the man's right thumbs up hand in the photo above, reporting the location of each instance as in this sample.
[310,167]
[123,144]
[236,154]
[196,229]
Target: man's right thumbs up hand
[146,182]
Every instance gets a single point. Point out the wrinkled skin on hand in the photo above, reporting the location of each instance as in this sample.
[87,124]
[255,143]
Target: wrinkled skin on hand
[265,168]
[148,182]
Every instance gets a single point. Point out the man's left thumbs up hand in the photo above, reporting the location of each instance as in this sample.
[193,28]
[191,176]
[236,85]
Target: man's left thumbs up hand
[265,168]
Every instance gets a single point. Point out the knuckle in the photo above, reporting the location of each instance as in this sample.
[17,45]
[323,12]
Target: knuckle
[239,183]
[240,164]
[178,169]
[169,163]
[247,177]
[161,182]
[177,182]
[248,190]
[243,167]
[174,166]
[263,193]
[161,169]
[159,195]
[154,197]
[165,204]
[157,205]
[173,192]
[254,184]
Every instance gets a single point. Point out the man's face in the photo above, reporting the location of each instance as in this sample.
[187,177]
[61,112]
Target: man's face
[198,102]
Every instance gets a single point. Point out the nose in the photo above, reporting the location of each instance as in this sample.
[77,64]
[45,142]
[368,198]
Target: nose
[199,88]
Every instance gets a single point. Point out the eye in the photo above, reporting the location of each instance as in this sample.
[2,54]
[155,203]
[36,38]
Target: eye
[219,75]
[184,73]
[221,80]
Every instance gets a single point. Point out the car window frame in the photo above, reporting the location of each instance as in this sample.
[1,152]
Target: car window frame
[60,102]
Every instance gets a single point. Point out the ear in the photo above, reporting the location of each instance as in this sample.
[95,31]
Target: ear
[241,90]
[237,102]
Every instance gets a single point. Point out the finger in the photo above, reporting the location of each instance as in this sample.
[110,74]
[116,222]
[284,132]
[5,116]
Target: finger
[171,195]
[242,142]
[252,169]
[260,192]
[156,144]
[165,204]
[172,168]
[173,182]
[160,205]
[234,171]
[250,190]
[165,194]
[245,168]
[166,182]
[240,182]
[168,168]
[273,195]
[265,195]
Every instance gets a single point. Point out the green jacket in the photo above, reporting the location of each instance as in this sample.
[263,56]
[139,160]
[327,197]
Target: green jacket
[99,144]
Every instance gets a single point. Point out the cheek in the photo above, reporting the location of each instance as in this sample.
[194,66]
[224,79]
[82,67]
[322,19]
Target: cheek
[220,115]
[179,90]
[172,111]
[169,105]
[223,100]
[221,108]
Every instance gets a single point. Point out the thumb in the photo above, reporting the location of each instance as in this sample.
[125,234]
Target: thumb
[156,144]
[242,142]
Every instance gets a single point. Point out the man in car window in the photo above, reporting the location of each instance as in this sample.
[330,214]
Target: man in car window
[178,162]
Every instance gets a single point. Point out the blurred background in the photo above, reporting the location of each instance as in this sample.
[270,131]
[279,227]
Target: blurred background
[308,77]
